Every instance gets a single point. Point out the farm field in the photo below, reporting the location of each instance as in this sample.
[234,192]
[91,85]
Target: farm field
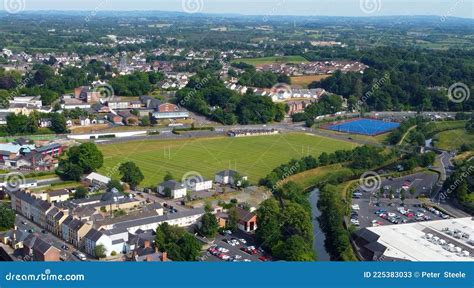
[453,139]
[272,60]
[252,156]
[304,81]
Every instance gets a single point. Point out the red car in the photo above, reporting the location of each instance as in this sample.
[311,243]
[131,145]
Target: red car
[249,251]
[263,258]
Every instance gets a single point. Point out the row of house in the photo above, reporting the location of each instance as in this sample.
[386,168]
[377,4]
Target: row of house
[175,189]
[81,221]
[32,246]
[120,234]
[279,94]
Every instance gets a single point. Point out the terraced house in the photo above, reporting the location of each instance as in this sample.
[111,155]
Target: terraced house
[74,230]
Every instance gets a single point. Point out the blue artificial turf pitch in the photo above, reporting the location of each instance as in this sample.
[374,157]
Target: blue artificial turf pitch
[364,126]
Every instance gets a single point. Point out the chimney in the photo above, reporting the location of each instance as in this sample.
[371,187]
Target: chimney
[164,256]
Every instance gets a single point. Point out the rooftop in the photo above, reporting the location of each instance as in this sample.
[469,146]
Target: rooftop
[441,240]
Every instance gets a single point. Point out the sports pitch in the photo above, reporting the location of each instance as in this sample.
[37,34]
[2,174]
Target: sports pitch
[363,126]
[252,156]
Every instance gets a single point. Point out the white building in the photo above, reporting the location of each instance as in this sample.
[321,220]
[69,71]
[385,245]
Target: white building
[97,179]
[94,238]
[196,186]
[228,177]
[175,189]
[440,240]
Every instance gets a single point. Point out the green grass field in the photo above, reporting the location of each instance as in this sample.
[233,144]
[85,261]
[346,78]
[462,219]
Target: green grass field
[272,60]
[252,156]
[453,139]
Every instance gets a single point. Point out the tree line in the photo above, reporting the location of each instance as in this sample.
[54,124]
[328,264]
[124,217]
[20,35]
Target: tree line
[208,96]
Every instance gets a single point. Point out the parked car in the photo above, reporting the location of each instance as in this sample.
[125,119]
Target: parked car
[263,258]
[79,255]
[222,249]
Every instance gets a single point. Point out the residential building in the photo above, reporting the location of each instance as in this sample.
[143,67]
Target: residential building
[229,177]
[198,184]
[128,118]
[37,249]
[172,188]
[74,230]
[54,220]
[94,238]
[57,196]
[247,221]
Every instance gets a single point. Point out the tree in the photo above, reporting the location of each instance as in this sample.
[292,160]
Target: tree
[58,123]
[131,174]
[177,242]
[81,192]
[21,124]
[4,97]
[87,156]
[145,121]
[7,217]
[296,249]
[209,225]
[167,192]
[391,194]
[232,220]
[115,184]
[69,171]
[402,195]
[168,176]
[100,251]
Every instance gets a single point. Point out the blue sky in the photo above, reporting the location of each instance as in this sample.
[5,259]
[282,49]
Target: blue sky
[459,8]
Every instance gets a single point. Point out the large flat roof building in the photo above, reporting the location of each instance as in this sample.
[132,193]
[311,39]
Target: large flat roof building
[441,240]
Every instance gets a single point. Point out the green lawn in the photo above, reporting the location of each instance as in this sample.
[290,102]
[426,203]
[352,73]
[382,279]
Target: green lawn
[253,156]
[272,60]
[453,139]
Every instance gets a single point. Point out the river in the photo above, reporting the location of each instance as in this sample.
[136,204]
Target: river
[319,237]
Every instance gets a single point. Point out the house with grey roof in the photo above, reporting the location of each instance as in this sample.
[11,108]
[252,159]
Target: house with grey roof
[37,249]
[229,177]
[94,238]
[74,230]
[172,189]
